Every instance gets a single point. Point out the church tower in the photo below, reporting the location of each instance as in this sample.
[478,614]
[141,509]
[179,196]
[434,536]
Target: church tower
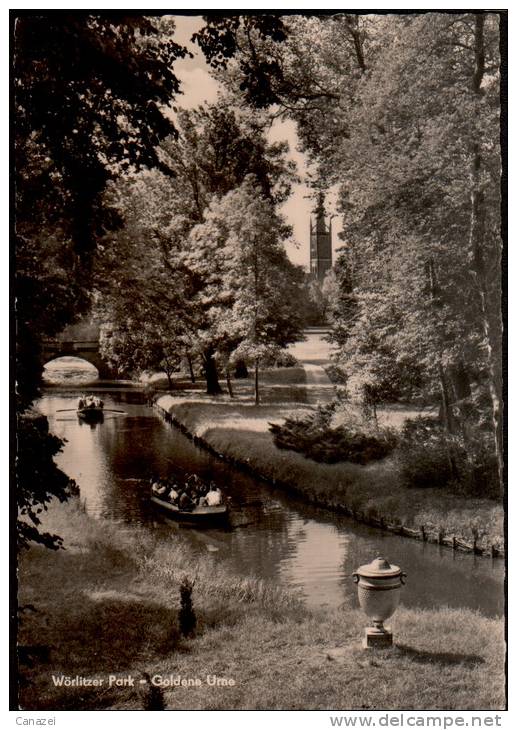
[321,242]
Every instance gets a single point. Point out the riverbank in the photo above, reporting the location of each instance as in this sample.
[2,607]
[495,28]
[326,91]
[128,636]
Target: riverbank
[108,605]
[238,431]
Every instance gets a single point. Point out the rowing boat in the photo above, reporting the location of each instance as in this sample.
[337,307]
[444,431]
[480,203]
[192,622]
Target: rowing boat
[91,413]
[217,514]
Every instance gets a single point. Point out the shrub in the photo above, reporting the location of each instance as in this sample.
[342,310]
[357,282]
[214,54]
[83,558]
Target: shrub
[187,616]
[281,359]
[335,374]
[316,438]
[429,457]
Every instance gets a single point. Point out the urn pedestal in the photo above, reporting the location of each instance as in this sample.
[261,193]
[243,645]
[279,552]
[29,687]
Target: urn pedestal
[378,590]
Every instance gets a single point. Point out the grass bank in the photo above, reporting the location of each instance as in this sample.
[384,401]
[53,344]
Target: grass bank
[373,493]
[108,604]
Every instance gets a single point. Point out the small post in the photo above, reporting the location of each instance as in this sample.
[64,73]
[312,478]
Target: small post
[424,536]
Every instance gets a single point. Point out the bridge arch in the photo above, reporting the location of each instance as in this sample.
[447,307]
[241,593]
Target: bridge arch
[81,341]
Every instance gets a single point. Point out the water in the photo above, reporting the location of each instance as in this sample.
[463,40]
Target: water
[273,536]
[69,370]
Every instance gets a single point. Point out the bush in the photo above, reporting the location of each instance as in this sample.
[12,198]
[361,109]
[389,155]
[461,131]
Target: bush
[187,615]
[316,438]
[282,359]
[335,374]
[429,457]
[424,453]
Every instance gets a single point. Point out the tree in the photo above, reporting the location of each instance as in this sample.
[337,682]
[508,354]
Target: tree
[254,314]
[89,96]
[140,277]
[422,214]
[402,112]
[38,479]
[162,271]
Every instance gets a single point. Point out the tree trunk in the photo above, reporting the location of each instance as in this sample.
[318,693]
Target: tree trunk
[477,235]
[448,422]
[210,368]
[241,370]
[191,369]
[229,382]
[445,409]
[446,404]
[168,372]
[460,382]
[257,397]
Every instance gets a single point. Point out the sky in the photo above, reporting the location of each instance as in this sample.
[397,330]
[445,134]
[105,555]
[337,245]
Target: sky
[198,86]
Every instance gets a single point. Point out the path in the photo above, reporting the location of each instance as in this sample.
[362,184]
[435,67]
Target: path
[314,354]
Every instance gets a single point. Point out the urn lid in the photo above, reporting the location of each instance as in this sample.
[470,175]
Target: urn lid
[379,568]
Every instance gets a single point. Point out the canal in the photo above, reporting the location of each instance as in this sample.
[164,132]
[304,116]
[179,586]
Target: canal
[272,535]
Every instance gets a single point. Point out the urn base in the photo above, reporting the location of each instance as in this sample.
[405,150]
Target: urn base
[376,638]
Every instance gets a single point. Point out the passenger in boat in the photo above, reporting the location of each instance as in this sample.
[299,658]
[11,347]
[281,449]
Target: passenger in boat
[214,497]
[159,488]
[184,502]
[80,403]
[193,482]
[173,495]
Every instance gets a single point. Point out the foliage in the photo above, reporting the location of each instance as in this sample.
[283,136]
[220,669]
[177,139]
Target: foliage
[217,147]
[245,277]
[335,373]
[402,112]
[38,480]
[133,348]
[313,302]
[429,457]
[282,359]
[169,260]
[222,38]
[90,95]
[315,437]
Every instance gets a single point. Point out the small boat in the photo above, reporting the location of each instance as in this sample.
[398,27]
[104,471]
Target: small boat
[198,516]
[93,414]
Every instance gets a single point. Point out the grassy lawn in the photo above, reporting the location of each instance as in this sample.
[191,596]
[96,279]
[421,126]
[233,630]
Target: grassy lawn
[276,385]
[108,604]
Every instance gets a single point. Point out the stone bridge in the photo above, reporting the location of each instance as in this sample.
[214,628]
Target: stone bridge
[78,340]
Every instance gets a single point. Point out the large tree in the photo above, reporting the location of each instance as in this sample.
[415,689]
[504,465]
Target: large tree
[422,202]
[90,97]
[251,288]
[154,257]
[402,112]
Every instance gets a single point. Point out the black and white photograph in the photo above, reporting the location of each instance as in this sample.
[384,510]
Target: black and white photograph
[258,332]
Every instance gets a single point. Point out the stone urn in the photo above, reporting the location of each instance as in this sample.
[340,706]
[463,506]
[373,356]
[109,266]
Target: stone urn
[378,589]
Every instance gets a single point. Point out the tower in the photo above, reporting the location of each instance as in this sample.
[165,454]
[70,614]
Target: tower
[321,242]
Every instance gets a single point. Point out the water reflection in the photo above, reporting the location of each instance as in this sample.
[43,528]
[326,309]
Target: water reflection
[273,535]
[70,370]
